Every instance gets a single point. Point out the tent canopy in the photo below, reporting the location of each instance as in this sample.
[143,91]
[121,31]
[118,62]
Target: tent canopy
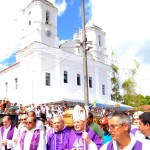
[111,105]
[94,103]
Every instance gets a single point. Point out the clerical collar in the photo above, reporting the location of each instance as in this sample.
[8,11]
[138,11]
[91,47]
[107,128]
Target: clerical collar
[147,137]
[58,132]
[7,128]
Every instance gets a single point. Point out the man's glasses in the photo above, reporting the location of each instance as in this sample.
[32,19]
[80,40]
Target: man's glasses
[113,126]
[23,119]
[29,122]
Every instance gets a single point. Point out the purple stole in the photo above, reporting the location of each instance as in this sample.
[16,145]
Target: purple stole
[50,132]
[34,142]
[9,134]
[137,146]
[56,139]
[133,131]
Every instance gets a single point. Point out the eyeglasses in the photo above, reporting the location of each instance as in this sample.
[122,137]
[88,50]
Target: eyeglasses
[113,126]
[23,119]
[29,122]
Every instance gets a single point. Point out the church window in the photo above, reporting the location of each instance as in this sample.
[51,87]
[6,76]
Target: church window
[29,22]
[47,79]
[65,77]
[78,79]
[6,84]
[99,40]
[16,83]
[29,13]
[103,89]
[47,17]
[90,82]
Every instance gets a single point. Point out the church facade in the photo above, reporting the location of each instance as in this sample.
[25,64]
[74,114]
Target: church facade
[46,71]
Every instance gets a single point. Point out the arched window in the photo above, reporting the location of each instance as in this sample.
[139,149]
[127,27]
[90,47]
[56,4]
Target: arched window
[6,84]
[99,40]
[65,76]
[47,17]
[16,83]
[29,17]
[29,22]
[47,79]
[78,79]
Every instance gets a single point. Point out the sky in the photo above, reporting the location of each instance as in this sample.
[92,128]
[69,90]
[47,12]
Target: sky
[126,23]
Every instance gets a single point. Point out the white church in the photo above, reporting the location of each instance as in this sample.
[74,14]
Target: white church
[46,71]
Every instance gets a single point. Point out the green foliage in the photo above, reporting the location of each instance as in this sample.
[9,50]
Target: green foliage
[145,100]
[136,100]
[129,87]
[115,95]
[130,97]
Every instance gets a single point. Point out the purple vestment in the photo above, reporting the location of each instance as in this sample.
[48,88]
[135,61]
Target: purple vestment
[75,140]
[34,141]
[137,146]
[56,139]
[133,131]
[9,134]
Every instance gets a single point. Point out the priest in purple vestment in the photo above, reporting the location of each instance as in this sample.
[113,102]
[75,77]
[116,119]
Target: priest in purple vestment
[32,138]
[8,133]
[119,127]
[57,135]
[76,137]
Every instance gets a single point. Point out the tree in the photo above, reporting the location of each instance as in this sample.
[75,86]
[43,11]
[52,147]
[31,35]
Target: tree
[115,86]
[129,87]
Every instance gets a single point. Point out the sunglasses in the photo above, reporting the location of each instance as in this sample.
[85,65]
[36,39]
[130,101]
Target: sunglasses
[29,122]
[23,119]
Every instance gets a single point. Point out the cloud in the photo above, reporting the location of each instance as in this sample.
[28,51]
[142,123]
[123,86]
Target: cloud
[8,30]
[10,12]
[144,52]
[126,25]
[61,5]
[122,20]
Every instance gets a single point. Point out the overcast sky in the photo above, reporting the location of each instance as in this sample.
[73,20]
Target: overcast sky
[126,23]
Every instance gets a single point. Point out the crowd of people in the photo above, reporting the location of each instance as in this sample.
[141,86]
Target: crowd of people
[42,127]
[44,110]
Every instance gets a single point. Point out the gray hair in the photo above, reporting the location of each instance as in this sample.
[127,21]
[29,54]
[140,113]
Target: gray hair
[61,118]
[24,116]
[123,118]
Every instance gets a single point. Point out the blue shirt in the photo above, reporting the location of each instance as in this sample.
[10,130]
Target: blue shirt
[106,137]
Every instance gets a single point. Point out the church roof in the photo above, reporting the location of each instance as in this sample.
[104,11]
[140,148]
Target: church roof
[10,67]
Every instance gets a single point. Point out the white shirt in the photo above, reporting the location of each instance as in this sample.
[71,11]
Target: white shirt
[38,112]
[40,125]
[43,109]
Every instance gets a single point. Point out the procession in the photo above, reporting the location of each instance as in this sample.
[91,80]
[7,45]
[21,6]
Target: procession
[63,93]
[43,127]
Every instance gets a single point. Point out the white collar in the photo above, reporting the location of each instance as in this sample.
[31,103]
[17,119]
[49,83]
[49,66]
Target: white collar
[32,130]
[7,129]
[129,146]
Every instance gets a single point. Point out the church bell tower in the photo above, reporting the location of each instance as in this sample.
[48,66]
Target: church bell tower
[39,24]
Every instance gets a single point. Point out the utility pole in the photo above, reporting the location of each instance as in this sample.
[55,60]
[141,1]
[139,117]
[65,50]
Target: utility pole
[85,68]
